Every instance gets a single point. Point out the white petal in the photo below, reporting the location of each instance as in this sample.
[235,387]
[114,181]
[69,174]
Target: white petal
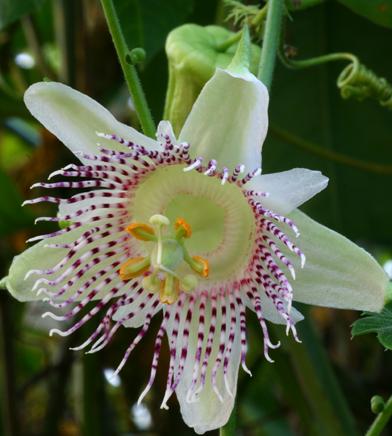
[229,120]
[75,118]
[337,272]
[208,413]
[288,189]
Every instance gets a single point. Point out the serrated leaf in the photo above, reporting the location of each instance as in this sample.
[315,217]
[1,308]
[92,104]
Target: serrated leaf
[379,323]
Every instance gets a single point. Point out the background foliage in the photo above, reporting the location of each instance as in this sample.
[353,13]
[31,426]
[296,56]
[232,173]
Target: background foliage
[48,390]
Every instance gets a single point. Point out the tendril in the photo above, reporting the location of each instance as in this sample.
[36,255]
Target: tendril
[359,82]
[355,81]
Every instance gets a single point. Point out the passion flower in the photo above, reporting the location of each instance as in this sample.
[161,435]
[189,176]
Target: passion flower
[188,227]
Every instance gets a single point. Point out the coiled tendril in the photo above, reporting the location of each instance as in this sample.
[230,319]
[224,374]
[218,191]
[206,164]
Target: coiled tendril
[355,81]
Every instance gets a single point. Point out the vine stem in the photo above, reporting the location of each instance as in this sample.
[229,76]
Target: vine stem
[129,70]
[381,420]
[271,41]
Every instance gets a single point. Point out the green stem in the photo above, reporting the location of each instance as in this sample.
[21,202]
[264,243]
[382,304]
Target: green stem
[130,73]
[271,42]
[381,420]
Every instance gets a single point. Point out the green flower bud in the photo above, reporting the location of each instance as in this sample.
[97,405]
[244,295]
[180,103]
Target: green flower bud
[194,52]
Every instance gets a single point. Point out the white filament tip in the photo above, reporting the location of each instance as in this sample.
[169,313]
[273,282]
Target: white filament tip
[292,271]
[55,173]
[303,260]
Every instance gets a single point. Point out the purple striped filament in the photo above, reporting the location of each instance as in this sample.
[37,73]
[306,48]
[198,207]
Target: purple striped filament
[206,327]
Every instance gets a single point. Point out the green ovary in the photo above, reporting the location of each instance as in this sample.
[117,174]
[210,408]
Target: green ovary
[221,220]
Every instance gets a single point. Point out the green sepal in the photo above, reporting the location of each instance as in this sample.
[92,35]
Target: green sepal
[194,53]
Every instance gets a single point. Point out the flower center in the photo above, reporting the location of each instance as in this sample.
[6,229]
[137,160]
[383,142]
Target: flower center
[222,221]
[167,259]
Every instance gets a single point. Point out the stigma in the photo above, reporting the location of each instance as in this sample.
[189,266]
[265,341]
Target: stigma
[163,269]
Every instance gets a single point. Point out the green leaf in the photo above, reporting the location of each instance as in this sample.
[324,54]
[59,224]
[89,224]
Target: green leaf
[379,323]
[146,23]
[378,11]
[12,10]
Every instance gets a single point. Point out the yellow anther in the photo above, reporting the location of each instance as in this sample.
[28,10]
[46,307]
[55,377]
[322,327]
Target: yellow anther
[141,231]
[170,289]
[184,229]
[134,267]
[200,265]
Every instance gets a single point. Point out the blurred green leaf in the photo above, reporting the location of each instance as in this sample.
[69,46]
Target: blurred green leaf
[12,216]
[379,323]
[146,23]
[378,11]
[307,104]
[12,10]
